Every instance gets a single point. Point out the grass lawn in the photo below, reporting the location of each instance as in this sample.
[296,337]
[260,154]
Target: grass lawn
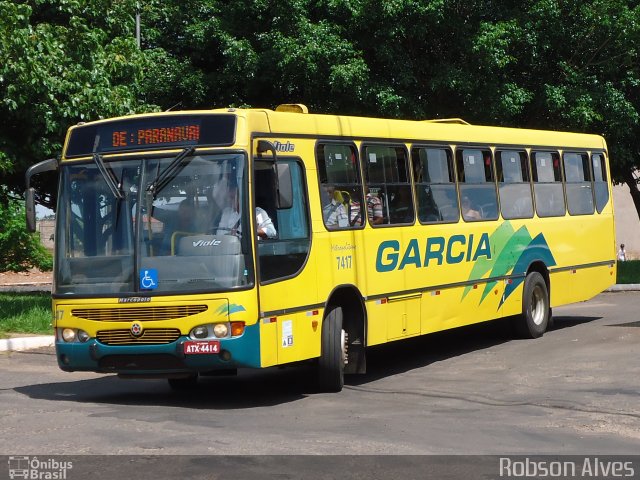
[629,271]
[25,313]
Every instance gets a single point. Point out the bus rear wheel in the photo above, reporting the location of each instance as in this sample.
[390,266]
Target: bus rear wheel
[534,320]
[333,355]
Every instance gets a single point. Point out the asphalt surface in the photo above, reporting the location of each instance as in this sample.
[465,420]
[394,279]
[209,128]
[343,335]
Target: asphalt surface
[470,391]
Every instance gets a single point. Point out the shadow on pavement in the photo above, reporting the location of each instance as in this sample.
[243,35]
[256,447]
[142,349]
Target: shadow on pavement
[274,386]
[562,322]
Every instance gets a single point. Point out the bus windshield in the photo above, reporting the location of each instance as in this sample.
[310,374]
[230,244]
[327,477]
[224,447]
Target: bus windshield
[184,236]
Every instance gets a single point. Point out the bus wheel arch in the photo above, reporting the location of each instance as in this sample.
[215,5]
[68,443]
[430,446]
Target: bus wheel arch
[343,329]
[535,318]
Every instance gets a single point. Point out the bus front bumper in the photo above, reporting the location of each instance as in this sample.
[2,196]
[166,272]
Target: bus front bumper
[93,356]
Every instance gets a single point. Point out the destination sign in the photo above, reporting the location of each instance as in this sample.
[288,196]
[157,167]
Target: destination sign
[149,133]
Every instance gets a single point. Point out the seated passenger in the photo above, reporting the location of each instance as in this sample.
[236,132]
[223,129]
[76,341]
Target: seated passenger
[230,218]
[468,212]
[334,213]
[374,209]
[264,225]
[401,206]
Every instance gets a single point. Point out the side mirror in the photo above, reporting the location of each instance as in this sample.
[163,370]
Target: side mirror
[30,201]
[285,186]
[30,195]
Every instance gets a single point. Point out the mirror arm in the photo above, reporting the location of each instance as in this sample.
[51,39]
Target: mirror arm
[266,146]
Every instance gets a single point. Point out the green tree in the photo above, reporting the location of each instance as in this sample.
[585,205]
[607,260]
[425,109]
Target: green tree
[213,53]
[570,65]
[21,250]
[61,62]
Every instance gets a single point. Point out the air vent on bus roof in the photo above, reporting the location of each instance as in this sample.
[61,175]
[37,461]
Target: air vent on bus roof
[292,108]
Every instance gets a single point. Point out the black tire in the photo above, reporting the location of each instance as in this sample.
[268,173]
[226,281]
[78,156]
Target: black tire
[333,352]
[183,383]
[534,320]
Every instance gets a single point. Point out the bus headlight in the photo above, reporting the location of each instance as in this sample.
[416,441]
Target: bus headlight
[83,336]
[68,335]
[217,330]
[221,330]
[200,332]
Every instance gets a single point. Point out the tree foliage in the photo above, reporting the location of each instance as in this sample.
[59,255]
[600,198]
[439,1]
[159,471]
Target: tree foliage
[61,62]
[20,249]
[559,64]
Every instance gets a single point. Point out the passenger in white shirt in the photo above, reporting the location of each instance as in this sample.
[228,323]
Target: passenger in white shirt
[230,222]
[264,225]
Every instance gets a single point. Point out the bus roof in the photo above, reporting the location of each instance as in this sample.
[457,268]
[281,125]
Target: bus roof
[301,124]
[454,131]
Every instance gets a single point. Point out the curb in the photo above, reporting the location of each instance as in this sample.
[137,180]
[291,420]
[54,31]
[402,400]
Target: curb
[624,287]
[18,344]
[26,287]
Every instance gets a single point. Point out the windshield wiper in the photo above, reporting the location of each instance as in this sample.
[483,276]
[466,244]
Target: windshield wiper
[109,177]
[166,175]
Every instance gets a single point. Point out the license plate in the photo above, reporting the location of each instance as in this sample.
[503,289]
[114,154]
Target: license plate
[194,347]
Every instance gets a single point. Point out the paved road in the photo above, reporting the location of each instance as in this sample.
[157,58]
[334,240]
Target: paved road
[472,391]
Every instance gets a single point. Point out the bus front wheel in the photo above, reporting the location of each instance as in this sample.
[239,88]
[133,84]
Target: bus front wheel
[333,355]
[534,320]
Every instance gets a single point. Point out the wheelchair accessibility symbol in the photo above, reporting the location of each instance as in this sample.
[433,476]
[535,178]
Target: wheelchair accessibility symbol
[149,279]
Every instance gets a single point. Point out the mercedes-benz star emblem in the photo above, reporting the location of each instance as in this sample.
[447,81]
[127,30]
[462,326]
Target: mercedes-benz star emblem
[136,329]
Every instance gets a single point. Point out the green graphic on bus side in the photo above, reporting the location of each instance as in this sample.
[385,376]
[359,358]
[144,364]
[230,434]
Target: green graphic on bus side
[229,309]
[512,253]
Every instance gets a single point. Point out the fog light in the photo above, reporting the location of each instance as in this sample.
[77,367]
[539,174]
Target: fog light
[68,335]
[200,332]
[225,355]
[220,330]
[83,336]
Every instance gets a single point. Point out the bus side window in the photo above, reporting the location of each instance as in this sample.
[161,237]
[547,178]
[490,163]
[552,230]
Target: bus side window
[578,183]
[547,184]
[340,186]
[285,255]
[601,189]
[435,185]
[513,184]
[477,187]
[387,178]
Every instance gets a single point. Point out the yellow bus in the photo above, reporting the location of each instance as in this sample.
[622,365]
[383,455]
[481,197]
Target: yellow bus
[191,243]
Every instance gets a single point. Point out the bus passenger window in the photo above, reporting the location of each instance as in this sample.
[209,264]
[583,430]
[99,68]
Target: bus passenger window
[547,184]
[340,186]
[435,185]
[513,184]
[477,187]
[601,188]
[578,180]
[389,197]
